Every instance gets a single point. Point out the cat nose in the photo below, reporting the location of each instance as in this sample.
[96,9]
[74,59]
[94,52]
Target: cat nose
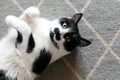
[57,31]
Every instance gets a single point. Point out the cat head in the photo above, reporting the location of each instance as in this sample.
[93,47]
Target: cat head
[65,31]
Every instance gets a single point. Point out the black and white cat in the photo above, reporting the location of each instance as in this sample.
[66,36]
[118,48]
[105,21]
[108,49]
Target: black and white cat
[32,43]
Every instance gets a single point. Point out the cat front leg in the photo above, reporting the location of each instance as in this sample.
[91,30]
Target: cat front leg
[18,24]
[23,30]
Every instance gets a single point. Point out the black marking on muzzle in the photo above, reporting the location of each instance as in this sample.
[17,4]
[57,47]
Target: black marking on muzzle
[52,39]
[57,32]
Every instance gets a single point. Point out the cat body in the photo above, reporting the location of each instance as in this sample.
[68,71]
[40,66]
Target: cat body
[32,43]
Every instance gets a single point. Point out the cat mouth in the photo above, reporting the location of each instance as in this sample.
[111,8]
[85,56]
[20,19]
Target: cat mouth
[54,36]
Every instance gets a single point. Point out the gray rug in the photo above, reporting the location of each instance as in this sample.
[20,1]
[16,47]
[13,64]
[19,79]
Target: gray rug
[100,24]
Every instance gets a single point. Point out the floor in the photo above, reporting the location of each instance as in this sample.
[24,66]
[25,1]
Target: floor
[100,24]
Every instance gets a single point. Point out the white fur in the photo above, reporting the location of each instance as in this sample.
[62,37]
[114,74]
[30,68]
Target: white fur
[16,61]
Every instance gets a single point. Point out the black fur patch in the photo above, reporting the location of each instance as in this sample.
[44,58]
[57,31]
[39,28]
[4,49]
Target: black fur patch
[3,77]
[72,44]
[41,62]
[52,39]
[19,37]
[31,44]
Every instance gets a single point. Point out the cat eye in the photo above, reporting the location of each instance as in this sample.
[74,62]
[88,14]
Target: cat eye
[67,39]
[64,25]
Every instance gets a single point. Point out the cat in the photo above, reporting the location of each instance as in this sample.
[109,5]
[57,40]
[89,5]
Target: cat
[33,43]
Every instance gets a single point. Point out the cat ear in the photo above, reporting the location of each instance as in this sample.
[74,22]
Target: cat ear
[77,17]
[84,42]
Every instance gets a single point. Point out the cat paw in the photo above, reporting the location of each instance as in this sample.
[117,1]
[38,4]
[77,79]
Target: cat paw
[32,12]
[8,20]
[12,21]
